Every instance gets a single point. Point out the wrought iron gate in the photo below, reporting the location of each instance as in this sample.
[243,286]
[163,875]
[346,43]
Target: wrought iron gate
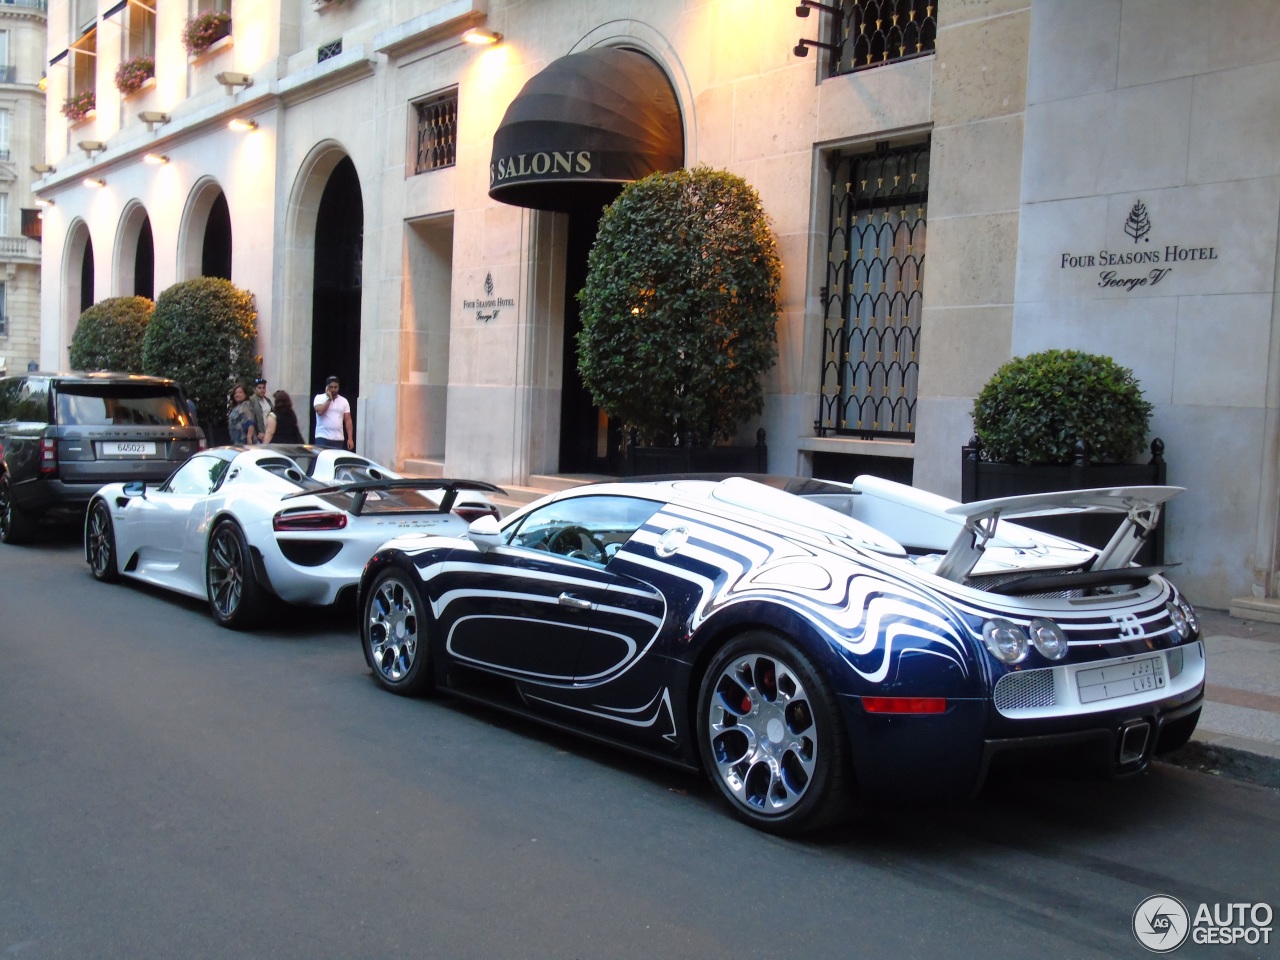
[872,298]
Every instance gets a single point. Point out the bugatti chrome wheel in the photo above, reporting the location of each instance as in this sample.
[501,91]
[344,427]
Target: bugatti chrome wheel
[393,630]
[770,736]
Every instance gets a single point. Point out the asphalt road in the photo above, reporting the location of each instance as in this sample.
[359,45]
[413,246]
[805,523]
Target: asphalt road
[172,789]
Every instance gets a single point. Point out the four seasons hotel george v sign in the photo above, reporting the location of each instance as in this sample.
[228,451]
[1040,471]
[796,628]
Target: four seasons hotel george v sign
[1116,269]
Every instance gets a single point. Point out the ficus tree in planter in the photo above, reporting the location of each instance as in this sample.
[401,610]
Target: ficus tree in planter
[110,333]
[680,306]
[204,334]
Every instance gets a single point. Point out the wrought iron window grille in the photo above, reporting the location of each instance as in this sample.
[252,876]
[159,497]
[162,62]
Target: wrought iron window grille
[873,295]
[869,33]
[329,50]
[437,120]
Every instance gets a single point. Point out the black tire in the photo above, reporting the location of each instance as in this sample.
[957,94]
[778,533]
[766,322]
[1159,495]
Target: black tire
[16,524]
[798,776]
[235,596]
[395,629]
[1176,734]
[100,543]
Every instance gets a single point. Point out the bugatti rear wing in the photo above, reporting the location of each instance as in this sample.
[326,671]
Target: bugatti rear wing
[1140,505]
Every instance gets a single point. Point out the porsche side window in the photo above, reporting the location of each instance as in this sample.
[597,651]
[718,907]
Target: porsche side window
[592,529]
[198,477]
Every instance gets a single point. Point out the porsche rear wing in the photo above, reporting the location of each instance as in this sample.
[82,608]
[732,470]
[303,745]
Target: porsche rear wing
[360,490]
[1141,505]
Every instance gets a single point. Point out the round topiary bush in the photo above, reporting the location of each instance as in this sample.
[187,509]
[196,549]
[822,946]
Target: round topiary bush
[109,335]
[1035,408]
[204,334]
[680,306]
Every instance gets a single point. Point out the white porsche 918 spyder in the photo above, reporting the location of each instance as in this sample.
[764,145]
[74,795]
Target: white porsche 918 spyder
[239,524]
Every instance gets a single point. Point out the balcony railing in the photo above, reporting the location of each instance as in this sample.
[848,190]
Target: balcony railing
[11,247]
[41,5]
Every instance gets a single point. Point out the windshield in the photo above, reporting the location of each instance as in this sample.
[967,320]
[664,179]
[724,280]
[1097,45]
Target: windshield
[121,404]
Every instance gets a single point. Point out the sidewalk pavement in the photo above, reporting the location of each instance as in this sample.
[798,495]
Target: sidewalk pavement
[1242,688]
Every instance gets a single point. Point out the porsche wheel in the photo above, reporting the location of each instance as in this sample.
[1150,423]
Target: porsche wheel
[16,525]
[235,596]
[393,631]
[100,543]
[770,736]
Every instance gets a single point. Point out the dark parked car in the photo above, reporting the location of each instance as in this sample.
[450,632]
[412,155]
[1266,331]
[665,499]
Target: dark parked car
[64,435]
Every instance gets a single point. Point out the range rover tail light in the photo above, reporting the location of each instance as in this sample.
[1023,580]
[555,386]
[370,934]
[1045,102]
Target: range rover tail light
[308,521]
[48,457]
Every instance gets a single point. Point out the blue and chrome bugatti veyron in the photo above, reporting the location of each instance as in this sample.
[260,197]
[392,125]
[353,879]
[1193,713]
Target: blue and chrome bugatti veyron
[793,638]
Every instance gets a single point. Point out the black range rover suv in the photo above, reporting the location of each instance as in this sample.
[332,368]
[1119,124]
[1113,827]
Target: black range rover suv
[64,435]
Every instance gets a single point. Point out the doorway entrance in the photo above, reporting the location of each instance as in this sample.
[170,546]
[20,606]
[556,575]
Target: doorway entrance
[335,294]
[589,441]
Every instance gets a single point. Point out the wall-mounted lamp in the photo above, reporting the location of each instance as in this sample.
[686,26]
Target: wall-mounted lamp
[90,147]
[43,202]
[94,182]
[806,5]
[233,80]
[243,125]
[801,49]
[43,168]
[481,37]
[155,158]
[153,117]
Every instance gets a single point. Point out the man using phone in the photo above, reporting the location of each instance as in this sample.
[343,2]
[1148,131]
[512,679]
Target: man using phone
[333,418]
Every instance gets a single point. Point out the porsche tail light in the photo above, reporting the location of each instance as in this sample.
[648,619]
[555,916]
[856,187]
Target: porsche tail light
[308,520]
[474,511]
[905,704]
[48,457]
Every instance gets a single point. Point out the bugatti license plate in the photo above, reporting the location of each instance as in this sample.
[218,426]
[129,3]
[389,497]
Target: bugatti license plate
[1120,679]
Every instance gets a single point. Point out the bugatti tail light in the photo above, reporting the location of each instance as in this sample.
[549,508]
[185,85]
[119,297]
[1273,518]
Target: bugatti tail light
[1005,640]
[308,521]
[1048,638]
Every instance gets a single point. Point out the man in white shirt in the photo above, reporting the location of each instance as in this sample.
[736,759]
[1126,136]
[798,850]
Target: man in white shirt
[333,418]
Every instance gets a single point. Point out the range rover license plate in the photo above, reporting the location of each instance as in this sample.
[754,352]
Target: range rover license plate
[1121,679]
[129,448]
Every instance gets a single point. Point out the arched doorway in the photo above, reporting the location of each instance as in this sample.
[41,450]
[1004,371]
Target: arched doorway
[135,255]
[215,258]
[77,272]
[573,137]
[336,283]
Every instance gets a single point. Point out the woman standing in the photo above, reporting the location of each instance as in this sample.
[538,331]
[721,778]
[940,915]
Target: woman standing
[282,421]
[240,419]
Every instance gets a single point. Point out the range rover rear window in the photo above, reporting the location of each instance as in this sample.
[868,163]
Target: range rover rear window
[120,404]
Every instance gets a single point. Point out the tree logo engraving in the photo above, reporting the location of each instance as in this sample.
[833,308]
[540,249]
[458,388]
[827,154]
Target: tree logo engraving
[488,284]
[1139,224]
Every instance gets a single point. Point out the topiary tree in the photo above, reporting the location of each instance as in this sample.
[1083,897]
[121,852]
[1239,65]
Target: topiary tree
[680,306]
[109,335]
[204,334]
[1035,408]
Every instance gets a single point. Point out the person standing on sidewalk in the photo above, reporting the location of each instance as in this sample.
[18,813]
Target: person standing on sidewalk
[333,418]
[261,407]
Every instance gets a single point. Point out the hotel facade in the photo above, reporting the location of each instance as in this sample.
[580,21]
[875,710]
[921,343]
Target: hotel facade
[950,185]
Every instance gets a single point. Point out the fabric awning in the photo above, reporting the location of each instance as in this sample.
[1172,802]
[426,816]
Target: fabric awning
[582,128]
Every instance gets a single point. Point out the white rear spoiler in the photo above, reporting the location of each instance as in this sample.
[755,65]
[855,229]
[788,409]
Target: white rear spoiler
[1142,506]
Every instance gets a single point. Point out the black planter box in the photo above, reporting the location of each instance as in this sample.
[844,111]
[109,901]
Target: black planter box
[647,461]
[983,480]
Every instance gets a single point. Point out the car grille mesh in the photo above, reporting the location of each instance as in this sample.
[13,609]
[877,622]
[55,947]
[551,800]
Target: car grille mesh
[1025,690]
[989,582]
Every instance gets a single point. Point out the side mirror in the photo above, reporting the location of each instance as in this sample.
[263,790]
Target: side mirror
[485,533]
[135,488]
